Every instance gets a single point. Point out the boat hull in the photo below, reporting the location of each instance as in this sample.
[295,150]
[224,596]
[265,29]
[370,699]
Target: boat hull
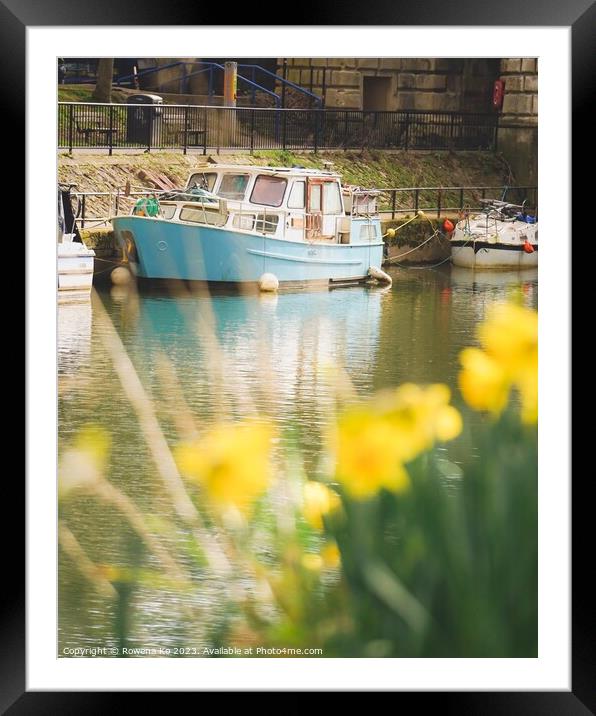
[493,256]
[75,272]
[159,249]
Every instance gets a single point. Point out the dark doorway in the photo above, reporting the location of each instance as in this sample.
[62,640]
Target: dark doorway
[376,92]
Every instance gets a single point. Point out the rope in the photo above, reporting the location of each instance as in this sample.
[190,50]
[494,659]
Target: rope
[432,236]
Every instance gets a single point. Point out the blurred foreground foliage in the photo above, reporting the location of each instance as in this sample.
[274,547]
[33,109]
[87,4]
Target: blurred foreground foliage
[390,556]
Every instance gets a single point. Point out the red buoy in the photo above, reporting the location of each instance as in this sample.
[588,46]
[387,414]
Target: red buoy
[528,248]
[448,225]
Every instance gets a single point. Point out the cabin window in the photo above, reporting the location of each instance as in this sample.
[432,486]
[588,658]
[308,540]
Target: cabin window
[244,221]
[267,223]
[167,210]
[203,215]
[314,198]
[233,186]
[296,199]
[203,180]
[268,190]
[331,198]
[368,232]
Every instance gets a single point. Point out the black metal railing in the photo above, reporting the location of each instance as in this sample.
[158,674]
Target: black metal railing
[97,208]
[452,199]
[115,126]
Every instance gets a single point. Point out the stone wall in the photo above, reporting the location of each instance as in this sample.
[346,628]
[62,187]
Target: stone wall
[518,123]
[410,83]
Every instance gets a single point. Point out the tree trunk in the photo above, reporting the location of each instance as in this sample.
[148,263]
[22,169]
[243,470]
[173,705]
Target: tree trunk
[103,86]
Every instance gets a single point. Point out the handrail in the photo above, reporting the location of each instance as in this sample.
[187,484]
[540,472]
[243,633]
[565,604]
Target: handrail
[208,66]
[285,81]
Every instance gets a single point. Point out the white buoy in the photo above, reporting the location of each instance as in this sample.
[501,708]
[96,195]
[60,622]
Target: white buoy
[268,282]
[120,276]
[380,275]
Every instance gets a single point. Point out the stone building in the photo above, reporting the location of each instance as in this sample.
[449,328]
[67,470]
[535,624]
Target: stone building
[370,83]
[434,84]
[518,121]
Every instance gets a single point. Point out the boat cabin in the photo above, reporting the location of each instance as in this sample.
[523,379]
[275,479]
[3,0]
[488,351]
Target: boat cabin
[294,204]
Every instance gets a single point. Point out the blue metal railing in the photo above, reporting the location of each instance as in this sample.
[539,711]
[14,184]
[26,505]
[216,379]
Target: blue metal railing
[211,66]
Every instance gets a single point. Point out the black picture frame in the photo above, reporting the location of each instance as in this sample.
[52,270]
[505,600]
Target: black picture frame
[580,16]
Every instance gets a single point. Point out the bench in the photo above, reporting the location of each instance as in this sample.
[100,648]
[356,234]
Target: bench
[107,132]
[190,137]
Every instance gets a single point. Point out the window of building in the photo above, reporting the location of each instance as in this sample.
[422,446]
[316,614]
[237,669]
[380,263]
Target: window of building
[233,186]
[268,190]
[297,195]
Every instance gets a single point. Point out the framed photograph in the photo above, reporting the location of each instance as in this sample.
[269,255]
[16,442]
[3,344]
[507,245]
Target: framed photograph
[238,479]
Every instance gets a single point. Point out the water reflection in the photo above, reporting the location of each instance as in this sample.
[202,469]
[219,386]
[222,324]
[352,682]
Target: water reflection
[74,336]
[230,355]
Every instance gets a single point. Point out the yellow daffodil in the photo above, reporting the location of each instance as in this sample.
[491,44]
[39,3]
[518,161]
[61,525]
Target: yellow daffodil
[232,462]
[376,439]
[483,382]
[510,335]
[448,423]
[369,454]
[508,358]
[312,562]
[319,500]
[423,414]
[95,440]
[331,556]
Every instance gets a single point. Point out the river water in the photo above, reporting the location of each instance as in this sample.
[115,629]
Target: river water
[202,358]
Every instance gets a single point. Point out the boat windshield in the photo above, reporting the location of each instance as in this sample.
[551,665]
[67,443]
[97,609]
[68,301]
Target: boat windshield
[233,186]
[202,180]
[268,190]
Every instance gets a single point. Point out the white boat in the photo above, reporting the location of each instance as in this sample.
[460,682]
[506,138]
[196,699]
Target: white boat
[74,260]
[502,236]
[238,224]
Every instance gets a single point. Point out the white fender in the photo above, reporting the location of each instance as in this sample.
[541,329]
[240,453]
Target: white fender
[379,275]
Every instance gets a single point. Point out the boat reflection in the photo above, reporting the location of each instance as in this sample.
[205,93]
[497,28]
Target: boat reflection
[73,336]
[267,354]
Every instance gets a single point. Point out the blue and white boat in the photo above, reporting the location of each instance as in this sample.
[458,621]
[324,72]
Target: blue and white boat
[235,224]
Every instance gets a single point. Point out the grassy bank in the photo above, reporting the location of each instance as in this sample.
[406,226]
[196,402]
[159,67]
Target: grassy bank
[102,173]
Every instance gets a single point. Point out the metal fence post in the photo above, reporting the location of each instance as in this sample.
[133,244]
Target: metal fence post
[185,128]
[83,212]
[111,132]
[345,142]
[416,199]
[362,130]
[316,131]
[252,130]
[70,122]
[393,204]
[205,117]
[439,203]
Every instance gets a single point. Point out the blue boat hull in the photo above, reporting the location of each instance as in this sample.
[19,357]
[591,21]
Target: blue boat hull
[169,250]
